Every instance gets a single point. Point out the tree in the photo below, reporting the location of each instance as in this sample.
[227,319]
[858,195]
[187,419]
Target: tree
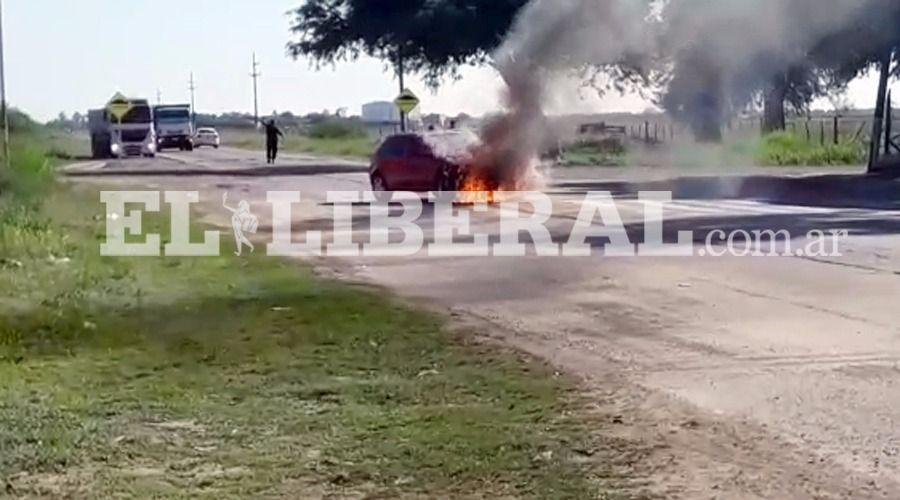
[432,37]
[728,55]
[861,44]
[870,40]
[795,88]
[79,120]
[835,59]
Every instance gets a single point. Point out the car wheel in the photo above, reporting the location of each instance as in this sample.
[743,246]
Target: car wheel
[447,183]
[449,180]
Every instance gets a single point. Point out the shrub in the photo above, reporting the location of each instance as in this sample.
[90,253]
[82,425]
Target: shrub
[610,152]
[336,130]
[611,145]
[30,172]
[788,149]
[21,123]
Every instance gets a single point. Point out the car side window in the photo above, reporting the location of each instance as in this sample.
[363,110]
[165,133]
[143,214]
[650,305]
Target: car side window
[393,148]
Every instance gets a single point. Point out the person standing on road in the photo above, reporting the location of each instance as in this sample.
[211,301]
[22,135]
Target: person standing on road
[272,135]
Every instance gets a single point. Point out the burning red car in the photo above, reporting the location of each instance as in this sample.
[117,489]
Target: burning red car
[421,163]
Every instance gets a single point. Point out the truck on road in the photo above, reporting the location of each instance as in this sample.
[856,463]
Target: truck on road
[131,135]
[174,127]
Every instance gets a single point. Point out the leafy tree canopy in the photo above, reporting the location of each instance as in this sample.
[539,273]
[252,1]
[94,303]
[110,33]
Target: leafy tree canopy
[434,37]
[862,43]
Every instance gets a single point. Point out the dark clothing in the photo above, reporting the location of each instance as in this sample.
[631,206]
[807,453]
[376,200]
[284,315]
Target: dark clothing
[272,135]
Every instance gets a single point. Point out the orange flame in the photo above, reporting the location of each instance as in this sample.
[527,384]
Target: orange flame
[476,189]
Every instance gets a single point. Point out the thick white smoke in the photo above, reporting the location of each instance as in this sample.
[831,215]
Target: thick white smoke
[721,47]
[725,51]
[549,39]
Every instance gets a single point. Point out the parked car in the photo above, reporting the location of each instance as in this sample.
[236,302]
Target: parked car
[421,162]
[207,136]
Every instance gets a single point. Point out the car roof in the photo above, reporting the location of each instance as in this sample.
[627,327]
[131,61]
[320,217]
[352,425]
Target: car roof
[452,145]
[396,137]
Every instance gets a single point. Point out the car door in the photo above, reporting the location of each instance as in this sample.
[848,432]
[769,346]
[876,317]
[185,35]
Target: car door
[423,166]
[390,162]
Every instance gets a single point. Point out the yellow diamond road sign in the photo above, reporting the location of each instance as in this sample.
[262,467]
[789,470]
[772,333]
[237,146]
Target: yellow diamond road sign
[118,106]
[407,101]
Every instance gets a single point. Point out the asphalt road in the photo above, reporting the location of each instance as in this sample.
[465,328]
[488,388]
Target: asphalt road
[740,377]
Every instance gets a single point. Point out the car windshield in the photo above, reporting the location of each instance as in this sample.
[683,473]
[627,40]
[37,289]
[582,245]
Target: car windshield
[206,131]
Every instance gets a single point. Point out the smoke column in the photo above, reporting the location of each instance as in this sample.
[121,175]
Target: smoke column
[726,51]
[549,39]
[718,48]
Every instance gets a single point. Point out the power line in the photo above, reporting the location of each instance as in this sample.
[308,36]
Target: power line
[255,74]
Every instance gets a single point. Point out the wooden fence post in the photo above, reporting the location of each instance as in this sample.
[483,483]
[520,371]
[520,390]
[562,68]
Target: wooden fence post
[837,129]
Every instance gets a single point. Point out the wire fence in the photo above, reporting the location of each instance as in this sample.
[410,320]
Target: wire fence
[834,129]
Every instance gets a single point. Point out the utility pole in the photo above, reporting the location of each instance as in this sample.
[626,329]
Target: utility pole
[878,122]
[400,71]
[255,74]
[4,110]
[158,96]
[192,88]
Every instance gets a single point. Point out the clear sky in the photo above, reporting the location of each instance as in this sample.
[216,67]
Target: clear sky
[68,55]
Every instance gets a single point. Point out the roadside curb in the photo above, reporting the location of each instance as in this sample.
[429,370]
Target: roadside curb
[83,167]
[286,171]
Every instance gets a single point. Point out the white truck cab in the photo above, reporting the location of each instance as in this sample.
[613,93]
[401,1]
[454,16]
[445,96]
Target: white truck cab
[131,135]
[174,127]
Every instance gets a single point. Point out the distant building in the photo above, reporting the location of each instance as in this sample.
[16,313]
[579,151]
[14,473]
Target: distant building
[434,121]
[462,121]
[383,117]
[380,113]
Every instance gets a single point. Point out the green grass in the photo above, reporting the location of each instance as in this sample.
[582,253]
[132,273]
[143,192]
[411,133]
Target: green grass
[790,149]
[244,378]
[774,150]
[63,146]
[33,156]
[353,146]
[594,154]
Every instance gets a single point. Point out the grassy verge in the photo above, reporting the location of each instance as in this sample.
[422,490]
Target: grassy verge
[594,154]
[246,378]
[352,147]
[789,149]
[782,149]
